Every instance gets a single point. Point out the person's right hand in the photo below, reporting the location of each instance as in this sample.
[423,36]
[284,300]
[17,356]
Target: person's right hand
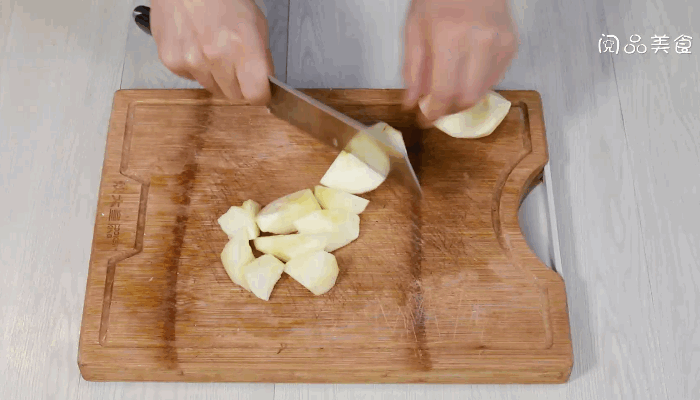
[222,44]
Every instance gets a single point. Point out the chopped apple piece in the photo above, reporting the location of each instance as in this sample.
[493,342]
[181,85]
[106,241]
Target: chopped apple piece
[262,275]
[330,198]
[316,271]
[278,217]
[341,226]
[252,206]
[349,174]
[286,247]
[478,121]
[364,147]
[237,218]
[396,138]
[236,254]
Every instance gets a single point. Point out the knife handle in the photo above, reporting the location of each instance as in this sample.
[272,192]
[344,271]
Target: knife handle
[142,17]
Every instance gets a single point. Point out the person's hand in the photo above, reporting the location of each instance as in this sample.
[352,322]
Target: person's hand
[455,52]
[222,44]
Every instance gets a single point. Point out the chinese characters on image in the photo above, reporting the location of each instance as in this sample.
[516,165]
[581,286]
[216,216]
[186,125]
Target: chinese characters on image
[659,43]
[115,213]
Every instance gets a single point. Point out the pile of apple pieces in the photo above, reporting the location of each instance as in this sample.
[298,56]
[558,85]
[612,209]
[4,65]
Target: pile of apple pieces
[324,220]
[306,255]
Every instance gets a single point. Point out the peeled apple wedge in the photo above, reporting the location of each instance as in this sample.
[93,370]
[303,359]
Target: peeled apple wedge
[236,254]
[287,247]
[237,218]
[330,198]
[478,121]
[349,174]
[252,206]
[366,148]
[341,227]
[278,217]
[396,138]
[262,274]
[316,271]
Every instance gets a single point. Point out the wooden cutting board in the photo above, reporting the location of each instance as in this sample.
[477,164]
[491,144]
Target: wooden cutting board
[442,290]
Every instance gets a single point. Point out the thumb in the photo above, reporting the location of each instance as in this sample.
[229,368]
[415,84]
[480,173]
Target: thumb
[414,64]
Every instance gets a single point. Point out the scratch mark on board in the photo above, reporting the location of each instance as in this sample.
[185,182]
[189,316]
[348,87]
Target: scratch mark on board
[459,307]
[383,313]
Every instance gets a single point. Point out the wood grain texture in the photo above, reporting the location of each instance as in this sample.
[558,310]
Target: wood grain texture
[441,290]
[60,64]
[143,69]
[631,339]
[659,103]
[617,330]
[345,44]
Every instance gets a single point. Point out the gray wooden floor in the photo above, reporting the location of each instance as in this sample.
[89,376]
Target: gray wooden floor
[624,142]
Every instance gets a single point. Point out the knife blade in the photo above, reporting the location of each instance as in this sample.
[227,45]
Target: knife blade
[339,131]
[330,126]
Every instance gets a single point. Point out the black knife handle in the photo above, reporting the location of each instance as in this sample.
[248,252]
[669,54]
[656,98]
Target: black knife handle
[142,17]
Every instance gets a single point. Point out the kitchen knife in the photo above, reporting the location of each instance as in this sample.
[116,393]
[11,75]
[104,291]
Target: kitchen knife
[338,130]
[330,126]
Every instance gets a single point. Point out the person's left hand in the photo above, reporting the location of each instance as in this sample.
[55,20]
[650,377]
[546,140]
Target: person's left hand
[455,52]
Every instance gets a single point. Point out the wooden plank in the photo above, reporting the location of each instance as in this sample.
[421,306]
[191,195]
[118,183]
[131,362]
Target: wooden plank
[593,182]
[614,334]
[143,69]
[45,189]
[659,105]
[443,289]
[60,65]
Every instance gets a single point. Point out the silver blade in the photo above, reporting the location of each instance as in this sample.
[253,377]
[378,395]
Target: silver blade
[337,130]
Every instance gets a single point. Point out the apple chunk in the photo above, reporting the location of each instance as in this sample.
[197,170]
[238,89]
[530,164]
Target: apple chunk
[278,217]
[349,174]
[396,138]
[330,198]
[252,206]
[364,146]
[286,247]
[262,275]
[236,254]
[341,226]
[478,121]
[237,218]
[316,271]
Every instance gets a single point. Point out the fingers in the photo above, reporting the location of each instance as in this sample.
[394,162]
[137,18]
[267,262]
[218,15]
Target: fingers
[415,65]
[223,48]
[198,67]
[465,65]
[253,66]
[473,85]
[187,61]
[178,49]
[166,28]
[502,59]
[448,60]
[240,64]
[224,73]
